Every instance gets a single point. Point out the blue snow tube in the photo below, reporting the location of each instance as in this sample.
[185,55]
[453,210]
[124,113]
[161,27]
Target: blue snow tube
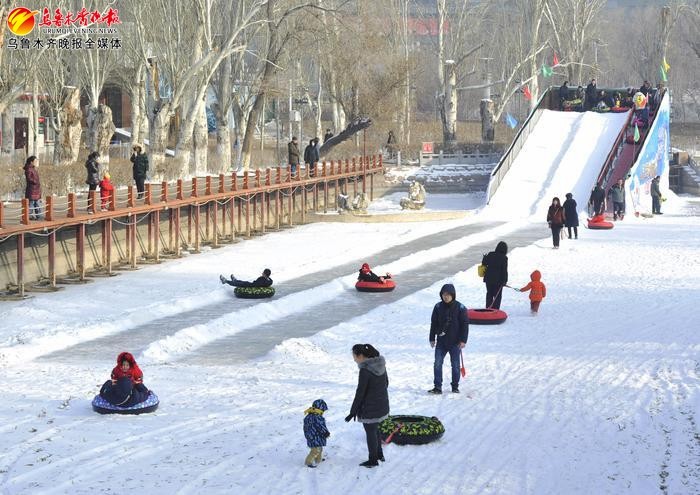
[101,406]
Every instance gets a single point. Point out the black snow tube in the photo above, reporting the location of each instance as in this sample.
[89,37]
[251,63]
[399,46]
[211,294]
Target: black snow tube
[101,406]
[411,430]
[487,316]
[254,292]
[386,286]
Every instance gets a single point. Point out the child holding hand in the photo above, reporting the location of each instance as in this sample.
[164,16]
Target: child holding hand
[537,289]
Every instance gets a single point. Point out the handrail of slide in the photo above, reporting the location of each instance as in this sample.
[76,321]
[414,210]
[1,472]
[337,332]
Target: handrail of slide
[511,153]
[611,160]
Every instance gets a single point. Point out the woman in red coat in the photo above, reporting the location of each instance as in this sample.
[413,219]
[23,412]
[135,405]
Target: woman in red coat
[33,190]
[556,219]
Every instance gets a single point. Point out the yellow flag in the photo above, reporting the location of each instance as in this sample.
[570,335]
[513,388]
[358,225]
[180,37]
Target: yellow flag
[666,66]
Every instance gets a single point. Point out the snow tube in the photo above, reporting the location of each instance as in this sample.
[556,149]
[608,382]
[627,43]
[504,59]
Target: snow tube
[487,316]
[619,109]
[598,223]
[103,407]
[254,292]
[413,430]
[387,286]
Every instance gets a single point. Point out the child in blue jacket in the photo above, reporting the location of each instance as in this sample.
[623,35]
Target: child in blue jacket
[315,431]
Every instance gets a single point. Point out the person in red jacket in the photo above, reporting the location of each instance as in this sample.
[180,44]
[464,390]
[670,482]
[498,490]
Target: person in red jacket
[127,367]
[537,289]
[106,188]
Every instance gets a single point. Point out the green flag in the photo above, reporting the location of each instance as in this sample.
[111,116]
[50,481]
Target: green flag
[662,73]
[547,71]
[636,133]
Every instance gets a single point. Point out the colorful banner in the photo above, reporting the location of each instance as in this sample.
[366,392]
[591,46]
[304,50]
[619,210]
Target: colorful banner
[652,161]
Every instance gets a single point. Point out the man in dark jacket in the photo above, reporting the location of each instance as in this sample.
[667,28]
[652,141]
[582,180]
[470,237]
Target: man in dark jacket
[449,330]
[293,152]
[598,199]
[140,169]
[327,135]
[563,94]
[656,196]
[591,95]
[262,281]
[617,194]
[496,275]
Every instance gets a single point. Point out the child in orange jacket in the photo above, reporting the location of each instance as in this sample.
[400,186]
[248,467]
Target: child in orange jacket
[106,188]
[537,291]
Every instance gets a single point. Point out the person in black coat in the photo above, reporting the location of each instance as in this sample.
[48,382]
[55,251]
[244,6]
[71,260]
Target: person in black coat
[449,330]
[563,94]
[598,199]
[93,176]
[496,276]
[371,404]
[262,281]
[571,221]
[591,95]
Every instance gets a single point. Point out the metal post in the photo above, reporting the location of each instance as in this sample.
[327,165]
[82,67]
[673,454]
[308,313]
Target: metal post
[20,264]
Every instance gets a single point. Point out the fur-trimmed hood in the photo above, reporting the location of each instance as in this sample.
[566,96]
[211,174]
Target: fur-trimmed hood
[375,365]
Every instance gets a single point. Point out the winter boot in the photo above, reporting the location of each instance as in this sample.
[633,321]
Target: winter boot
[435,391]
[223,280]
[369,463]
[455,390]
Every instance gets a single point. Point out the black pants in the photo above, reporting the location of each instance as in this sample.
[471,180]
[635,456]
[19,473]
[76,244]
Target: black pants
[90,203]
[493,296]
[568,229]
[374,441]
[556,234]
[140,185]
[240,283]
[655,204]
[618,209]
[598,207]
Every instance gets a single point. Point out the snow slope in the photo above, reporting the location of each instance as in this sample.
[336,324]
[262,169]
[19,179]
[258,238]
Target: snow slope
[564,153]
[597,394]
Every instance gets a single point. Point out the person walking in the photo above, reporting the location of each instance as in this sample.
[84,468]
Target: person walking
[598,199]
[33,190]
[556,219]
[371,404]
[93,179]
[571,214]
[656,196]
[449,330]
[139,169]
[496,275]
[294,155]
[617,194]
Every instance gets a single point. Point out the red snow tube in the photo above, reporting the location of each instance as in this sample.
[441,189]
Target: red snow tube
[488,316]
[387,286]
[619,109]
[598,223]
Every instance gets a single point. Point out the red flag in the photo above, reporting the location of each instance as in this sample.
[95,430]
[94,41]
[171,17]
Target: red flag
[526,93]
[555,59]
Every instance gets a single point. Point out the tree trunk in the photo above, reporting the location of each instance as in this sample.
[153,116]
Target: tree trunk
[8,132]
[67,144]
[223,143]
[159,127]
[201,140]
[449,111]
[103,130]
[487,124]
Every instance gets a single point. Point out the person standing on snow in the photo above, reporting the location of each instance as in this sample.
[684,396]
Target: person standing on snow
[537,289]
[656,196]
[617,194]
[449,330]
[598,200]
[556,219]
[496,275]
[571,215]
[371,404]
[316,432]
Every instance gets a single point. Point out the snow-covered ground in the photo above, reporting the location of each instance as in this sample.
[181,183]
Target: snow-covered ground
[596,394]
